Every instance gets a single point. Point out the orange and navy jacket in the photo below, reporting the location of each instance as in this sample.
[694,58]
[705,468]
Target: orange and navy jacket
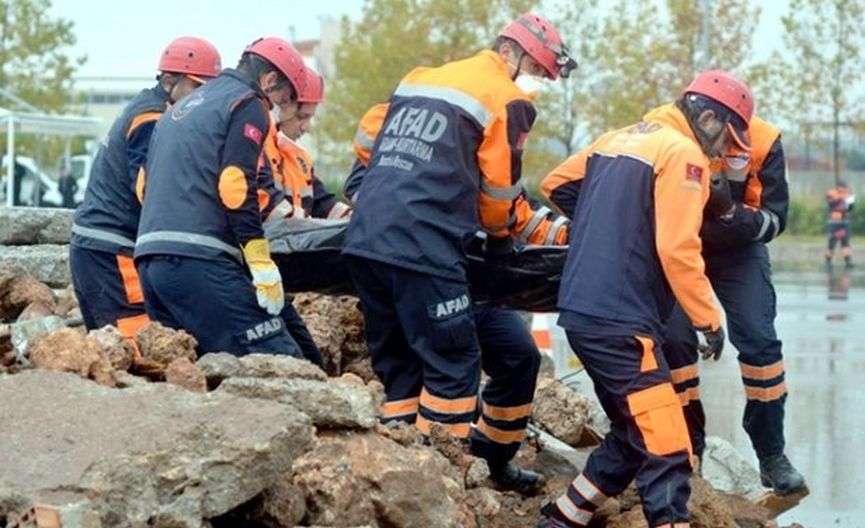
[837,202]
[636,198]
[199,189]
[290,167]
[107,220]
[758,184]
[447,160]
[533,224]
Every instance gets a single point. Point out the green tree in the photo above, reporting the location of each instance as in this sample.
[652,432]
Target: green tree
[393,37]
[557,131]
[647,54]
[813,83]
[33,64]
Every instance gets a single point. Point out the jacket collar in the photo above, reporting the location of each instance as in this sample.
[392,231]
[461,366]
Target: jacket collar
[671,116]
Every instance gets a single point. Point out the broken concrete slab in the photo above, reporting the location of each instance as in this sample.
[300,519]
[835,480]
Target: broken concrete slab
[222,365]
[152,453]
[48,263]
[31,225]
[331,404]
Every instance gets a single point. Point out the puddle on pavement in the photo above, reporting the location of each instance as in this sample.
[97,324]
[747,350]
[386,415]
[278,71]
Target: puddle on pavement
[821,321]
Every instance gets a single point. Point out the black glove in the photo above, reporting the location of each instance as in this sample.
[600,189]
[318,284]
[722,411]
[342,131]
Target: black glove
[714,343]
[498,247]
[720,200]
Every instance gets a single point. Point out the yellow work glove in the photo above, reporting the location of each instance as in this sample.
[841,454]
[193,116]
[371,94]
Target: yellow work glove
[265,275]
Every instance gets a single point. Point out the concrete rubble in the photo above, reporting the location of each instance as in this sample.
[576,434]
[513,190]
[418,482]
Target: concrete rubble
[100,432]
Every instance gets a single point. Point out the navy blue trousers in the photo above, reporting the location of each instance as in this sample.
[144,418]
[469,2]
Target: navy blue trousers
[742,280]
[108,290]
[430,357]
[215,301]
[648,439]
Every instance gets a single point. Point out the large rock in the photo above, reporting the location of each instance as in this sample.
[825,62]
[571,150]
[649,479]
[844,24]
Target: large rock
[561,412]
[160,345]
[69,350]
[727,470]
[333,404]
[48,263]
[149,455]
[368,479]
[19,290]
[29,225]
[336,326]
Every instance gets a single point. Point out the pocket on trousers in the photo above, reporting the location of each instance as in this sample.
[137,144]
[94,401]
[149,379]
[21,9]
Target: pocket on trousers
[658,415]
[452,334]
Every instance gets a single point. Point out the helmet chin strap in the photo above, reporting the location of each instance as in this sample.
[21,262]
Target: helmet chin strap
[177,77]
[706,140]
[519,66]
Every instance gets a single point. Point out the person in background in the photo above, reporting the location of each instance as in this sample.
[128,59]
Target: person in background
[67,186]
[839,201]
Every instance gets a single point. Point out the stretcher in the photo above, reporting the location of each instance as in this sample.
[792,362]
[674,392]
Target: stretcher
[308,254]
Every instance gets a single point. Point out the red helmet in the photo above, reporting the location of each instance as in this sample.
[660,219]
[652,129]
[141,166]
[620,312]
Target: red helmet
[731,92]
[542,42]
[191,56]
[313,89]
[284,57]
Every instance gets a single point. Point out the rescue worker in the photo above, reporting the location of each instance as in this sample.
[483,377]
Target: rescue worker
[103,234]
[204,262]
[447,161]
[295,191]
[839,201]
[509,355]
[636,198]
[747,209]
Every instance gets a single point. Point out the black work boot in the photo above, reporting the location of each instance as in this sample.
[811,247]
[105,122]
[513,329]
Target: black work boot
[509,477]
[778,473]
[551,517]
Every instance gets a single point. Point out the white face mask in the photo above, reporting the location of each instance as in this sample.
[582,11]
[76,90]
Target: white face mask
[274,116]
[530,84]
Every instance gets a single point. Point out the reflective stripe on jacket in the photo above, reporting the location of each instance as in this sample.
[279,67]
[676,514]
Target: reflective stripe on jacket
[107,219]
[636,196]
[189,193]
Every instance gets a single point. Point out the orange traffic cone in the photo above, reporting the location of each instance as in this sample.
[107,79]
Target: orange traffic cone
[541,333]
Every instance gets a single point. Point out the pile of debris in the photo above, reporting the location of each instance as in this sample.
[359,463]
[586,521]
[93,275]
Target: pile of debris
[97,433]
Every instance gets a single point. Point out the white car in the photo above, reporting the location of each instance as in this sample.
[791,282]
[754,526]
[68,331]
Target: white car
[46,193]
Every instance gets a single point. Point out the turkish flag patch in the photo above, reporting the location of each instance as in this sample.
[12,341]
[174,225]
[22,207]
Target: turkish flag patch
[253,133]
[693,173]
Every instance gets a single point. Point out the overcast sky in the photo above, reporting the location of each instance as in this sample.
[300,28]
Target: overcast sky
[124,39]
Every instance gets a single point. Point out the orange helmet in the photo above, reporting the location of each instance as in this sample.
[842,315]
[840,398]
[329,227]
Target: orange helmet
[313,89]
[284,57]
[542,42]
[191,56]
[733,94]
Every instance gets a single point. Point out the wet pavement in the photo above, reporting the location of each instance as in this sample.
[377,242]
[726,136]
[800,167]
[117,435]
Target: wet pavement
[821,321]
